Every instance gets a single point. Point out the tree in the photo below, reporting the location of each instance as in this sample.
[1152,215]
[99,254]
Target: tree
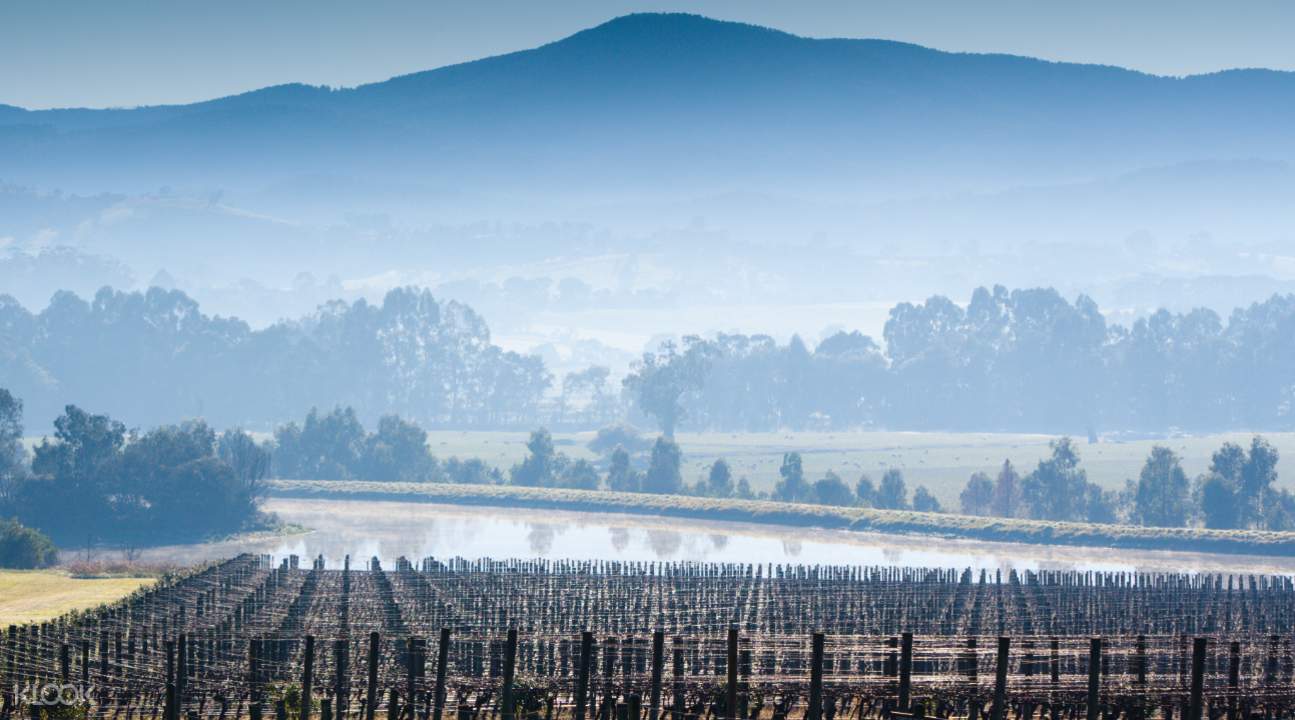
[538,469]
[893,492]
[325,447]
[1237,492]
[626,437]
[1161,496]
[1279,511]
[1007,492]
[1257,477]
[168,484]
[586,395]
[1058,488]
[78,472]
[397,451]
[924,501]
[22,548]
[472,471]
[13,456]
[177,485]
[580,475]
[1218,500]
[866,491]
[249,460]
[620,476]
[791,486]
[663,475]
[977,498]
[832,490]
[1100,505]
[659,381]
[719,481]
[744,489]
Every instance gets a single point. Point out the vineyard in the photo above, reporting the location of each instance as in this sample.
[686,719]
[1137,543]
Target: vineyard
[555,640]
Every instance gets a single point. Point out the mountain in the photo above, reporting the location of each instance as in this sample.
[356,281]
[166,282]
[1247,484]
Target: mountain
[673,106]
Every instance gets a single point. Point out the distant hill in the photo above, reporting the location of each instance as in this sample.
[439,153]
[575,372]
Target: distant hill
[675,105]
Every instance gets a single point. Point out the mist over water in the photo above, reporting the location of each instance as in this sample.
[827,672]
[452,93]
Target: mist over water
[389,530]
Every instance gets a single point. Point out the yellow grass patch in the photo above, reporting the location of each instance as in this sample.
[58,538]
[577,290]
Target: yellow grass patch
[37,595]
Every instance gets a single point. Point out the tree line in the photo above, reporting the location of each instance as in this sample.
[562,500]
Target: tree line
[336,446]
[154,356]
[1020,360]
[1025,360]
[93,481]
[1237,492]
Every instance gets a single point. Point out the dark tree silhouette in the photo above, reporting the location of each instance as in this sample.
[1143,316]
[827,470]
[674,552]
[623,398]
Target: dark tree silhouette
[663,471]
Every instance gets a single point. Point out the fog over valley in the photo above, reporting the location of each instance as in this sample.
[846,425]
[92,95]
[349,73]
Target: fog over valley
[709,177]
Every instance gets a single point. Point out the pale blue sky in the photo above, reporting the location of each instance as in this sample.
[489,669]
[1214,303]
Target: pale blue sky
[96,53]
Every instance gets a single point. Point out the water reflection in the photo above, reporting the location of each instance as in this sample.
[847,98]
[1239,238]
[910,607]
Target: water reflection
[665,544]
[541,539]
[620,538]
[416,530]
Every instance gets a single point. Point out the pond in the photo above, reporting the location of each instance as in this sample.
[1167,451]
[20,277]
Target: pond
[388,530]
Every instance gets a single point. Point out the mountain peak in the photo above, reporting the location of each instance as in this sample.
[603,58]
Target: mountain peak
[662,31]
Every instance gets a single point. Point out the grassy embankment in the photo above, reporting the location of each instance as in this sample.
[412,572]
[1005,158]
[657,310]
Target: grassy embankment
[763,511]
[39,595]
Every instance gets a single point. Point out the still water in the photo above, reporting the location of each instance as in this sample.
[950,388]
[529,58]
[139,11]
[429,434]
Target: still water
[388,530]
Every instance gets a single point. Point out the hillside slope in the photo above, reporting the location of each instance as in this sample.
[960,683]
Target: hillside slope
[646,101]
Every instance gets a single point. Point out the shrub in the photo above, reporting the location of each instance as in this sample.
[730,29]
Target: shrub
[623,436]
[22,548]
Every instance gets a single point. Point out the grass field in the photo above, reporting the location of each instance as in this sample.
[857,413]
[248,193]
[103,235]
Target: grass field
[941,461]
[37,595]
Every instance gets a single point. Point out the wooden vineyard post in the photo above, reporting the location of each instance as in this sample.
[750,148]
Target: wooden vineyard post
[412,675]
[730,707]
[658,659]
[442,657]
[1197,702]
[253,673]
[905,671]
[744,684]
[608,709]
[510,666]
[1141,660]
[582,678]
[677,669]
[307,677]
[371,694]
[341,683]
[181,671]
[1000,678]
[1056,661]
[1094,678]
[815,711]
[168,710]
[1234,678]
